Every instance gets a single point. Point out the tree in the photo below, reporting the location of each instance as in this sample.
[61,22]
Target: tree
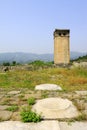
[14,63]
[6,64]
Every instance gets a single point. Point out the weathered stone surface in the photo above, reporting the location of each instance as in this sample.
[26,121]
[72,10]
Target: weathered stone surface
[16,125]
[61,47]
[54,108]
[85,112]
[16,116]
[73,126]
[43,125]
[13,92]
[1,96]
[81,92]
[48,87]
[5,115]
[85,105]
[3,107]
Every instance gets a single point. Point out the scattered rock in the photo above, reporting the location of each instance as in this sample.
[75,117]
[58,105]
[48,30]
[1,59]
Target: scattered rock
[81,64]
[48,87]
[5,115]
[81,92]
[54,108]
[13,92]
[5,69]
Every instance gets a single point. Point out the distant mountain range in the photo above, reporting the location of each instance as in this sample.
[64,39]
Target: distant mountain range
[21,57]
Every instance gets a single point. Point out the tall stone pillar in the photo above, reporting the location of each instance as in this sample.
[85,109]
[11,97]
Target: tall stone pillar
[61,46]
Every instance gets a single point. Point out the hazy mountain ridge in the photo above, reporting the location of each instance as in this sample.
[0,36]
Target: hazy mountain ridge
[28,57]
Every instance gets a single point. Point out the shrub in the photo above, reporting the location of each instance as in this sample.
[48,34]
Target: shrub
[31,101]
[14,63]
[38,63]
[6,64]
[30,116]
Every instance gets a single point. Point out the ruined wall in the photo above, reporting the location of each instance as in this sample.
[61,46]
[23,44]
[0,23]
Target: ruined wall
[61,47]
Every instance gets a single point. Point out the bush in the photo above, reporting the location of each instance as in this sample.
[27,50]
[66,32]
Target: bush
[6,64]
[14,63]
[30,116]
[38,63]
[31,101]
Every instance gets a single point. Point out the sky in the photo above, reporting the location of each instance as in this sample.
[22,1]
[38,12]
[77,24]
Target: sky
[28,25]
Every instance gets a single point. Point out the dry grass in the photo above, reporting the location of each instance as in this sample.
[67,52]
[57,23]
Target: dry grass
[68,79]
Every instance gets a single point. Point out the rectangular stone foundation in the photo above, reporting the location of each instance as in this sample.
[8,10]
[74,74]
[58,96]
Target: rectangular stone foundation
[61,47]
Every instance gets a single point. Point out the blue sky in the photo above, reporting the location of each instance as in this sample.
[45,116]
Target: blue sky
[28,25]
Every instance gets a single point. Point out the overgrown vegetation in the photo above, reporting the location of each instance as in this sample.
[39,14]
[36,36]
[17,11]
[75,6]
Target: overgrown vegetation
[12,108]
[41,64]
[30,116]
[13,63]
[31,101]
[68,79]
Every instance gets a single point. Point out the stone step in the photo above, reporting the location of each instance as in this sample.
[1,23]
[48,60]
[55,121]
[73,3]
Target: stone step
[43,125]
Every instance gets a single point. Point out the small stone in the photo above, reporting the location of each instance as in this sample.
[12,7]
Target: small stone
[13,92]
[48,87]
[16,116]
[5,115]
[54,108]
[1,96]
[81,92]
[4,107]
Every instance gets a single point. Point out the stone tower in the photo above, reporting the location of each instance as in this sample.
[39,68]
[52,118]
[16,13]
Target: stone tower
[61,46]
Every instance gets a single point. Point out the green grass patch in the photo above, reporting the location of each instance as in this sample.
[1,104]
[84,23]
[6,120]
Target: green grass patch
[30,116]
[31,101]
[12,108]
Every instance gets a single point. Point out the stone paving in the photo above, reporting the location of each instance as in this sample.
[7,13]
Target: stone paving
[73,126]
[43,125]
[10,120]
